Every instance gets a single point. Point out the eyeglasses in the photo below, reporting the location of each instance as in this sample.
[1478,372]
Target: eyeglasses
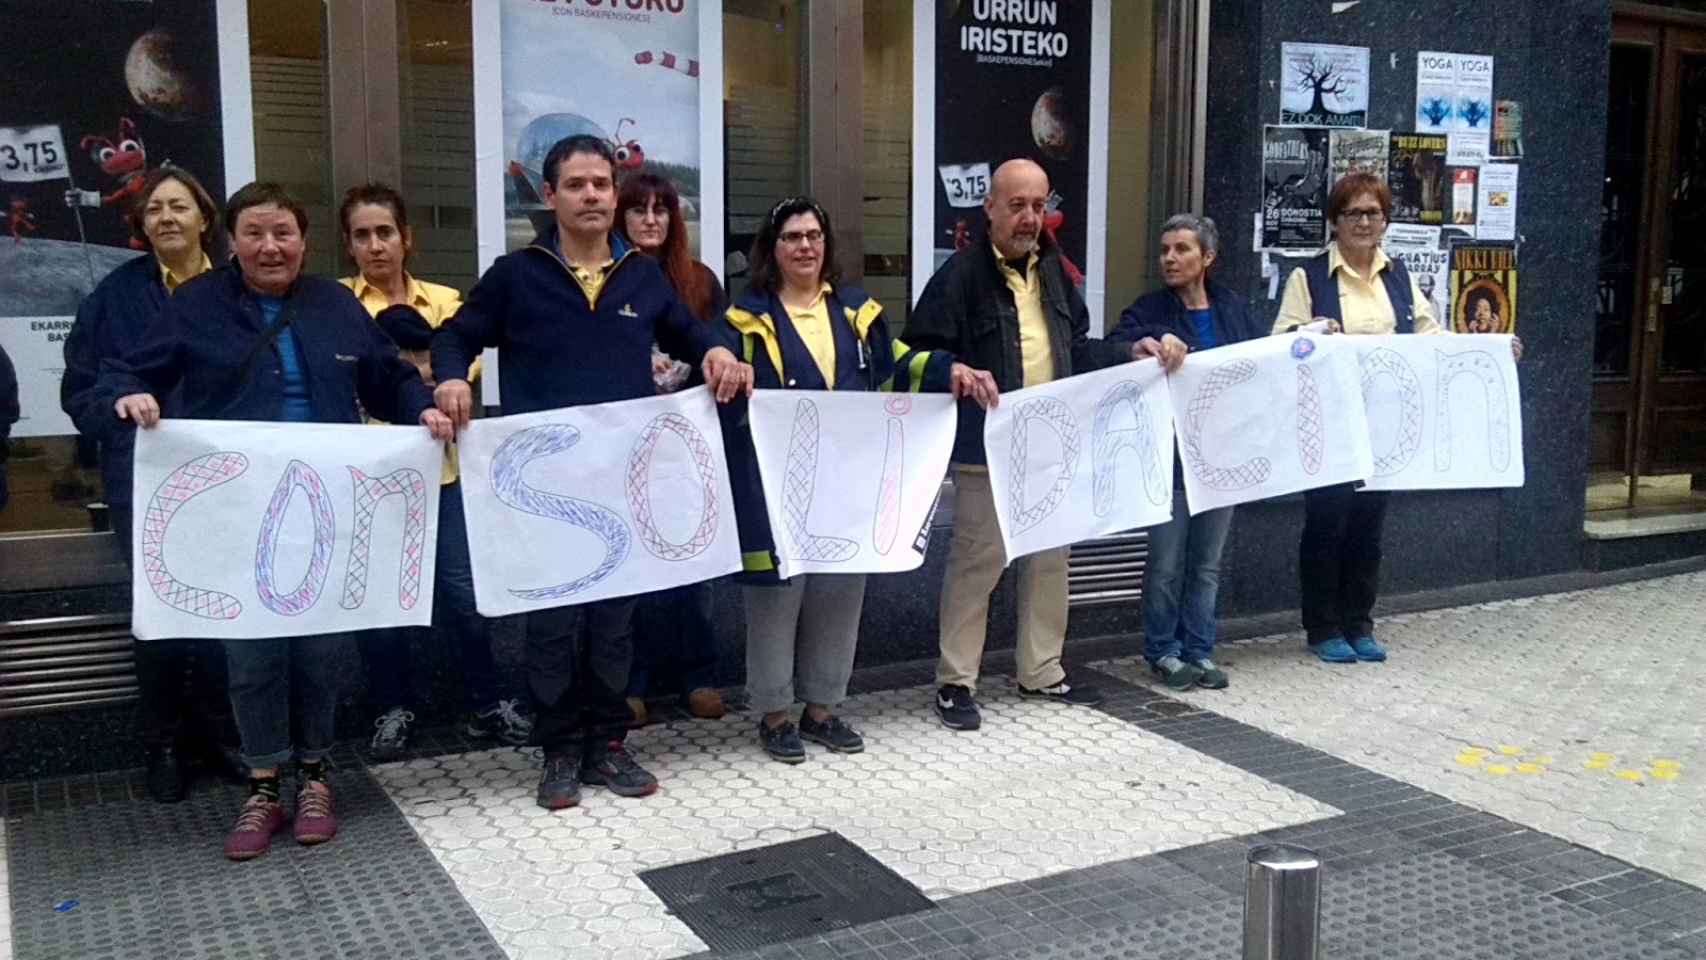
[795,238]
[1363,216]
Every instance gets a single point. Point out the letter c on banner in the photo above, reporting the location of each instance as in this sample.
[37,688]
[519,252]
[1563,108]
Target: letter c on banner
[512,457]
[179,488]
[298,601]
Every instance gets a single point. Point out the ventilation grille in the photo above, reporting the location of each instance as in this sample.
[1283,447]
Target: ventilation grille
[1107,570]
[60,663]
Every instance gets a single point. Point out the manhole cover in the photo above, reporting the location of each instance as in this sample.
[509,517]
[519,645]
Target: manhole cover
[745,900]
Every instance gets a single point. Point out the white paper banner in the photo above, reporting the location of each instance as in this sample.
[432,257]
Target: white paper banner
[1081,457]
[588,503]
[851,479]
[1268,417]
[1443,412]
[282,529]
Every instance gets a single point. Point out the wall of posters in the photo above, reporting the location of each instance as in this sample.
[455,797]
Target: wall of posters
[1358,151]
[1294,188]
[103,94]
[1421,251]
[1483,288]
[1416,174]
[1323,85]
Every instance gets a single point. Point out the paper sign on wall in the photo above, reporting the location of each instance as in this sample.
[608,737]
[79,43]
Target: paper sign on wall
[1497,215]
[1443,412]
[851,479]
[1268,417]
[966,183]
[247,530]
[1419,249]
[1323,85]
[1454,92]
[606,500]
[1081,457]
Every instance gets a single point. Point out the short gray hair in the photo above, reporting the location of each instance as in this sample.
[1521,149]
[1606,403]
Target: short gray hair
[1208,235]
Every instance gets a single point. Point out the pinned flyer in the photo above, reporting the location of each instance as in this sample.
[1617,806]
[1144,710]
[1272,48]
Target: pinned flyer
[1498,201]
[966,183]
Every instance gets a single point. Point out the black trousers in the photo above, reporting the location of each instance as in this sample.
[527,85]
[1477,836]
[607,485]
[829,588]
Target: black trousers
[577,661]
[182,684]
[1339,560]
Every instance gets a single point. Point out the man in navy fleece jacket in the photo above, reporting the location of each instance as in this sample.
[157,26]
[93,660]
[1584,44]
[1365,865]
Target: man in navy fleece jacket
[574,316]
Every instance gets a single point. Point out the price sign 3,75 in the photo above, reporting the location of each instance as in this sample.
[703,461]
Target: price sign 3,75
[29,154]
[966,184]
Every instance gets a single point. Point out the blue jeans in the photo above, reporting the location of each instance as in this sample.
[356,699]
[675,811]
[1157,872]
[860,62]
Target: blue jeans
[387,653]
[1181,582]
[282,685]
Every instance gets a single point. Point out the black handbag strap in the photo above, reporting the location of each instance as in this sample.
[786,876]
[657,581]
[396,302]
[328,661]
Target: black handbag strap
[285,315]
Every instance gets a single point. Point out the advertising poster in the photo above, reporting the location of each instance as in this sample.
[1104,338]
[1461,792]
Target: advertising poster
[1507,130]
[1483,288]
[1463,197]
[1421,252]
[1294,188]
[1012,80]
[1436,92]
[1358,151]
[1497,217]
[629,78]
[101,95]
[1323,85]
[1416,174]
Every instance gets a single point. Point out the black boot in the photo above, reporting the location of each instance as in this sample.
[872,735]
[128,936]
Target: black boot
[165,778]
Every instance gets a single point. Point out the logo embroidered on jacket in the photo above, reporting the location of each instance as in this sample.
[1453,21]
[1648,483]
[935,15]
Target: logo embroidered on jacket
[345,357]
[627,311]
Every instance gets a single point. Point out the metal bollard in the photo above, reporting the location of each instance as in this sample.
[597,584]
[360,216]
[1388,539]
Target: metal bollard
[1282,903]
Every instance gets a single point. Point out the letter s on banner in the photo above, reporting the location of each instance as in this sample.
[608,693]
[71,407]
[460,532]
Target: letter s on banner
[511,458]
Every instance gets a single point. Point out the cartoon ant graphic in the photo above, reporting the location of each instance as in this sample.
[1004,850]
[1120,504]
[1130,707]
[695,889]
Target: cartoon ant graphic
[124,160]
[629,154]
[19,219]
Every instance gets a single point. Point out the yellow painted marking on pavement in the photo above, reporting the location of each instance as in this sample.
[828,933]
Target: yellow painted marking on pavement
[1633,776]
[1664,773]
[1498,769]
[1470,759]
[1598,765]
[1666,765]
[1510,751]
[1602,756]
[1530,768]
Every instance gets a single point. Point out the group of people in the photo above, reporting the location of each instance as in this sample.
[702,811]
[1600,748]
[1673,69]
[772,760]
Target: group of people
[607,304]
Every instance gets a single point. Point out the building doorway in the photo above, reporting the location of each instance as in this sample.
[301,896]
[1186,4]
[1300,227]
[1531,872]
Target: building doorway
[1649,406]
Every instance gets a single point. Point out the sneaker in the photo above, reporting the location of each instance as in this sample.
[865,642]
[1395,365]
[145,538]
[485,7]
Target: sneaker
[1210,676]
[1064,692]
[1335,650]
[954,704]
[502,721]
[1367,648]
[391,736]
[1176,673]
[315,822]
[166,779]
[706,703]
[559,782]
[610,766]
[782,741]
[833,733]
[261,817]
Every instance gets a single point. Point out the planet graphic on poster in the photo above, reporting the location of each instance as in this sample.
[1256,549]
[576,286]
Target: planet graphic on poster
[160,82]
[1050,127]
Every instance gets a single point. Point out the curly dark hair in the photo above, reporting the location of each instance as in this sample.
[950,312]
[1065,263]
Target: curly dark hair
[764,272]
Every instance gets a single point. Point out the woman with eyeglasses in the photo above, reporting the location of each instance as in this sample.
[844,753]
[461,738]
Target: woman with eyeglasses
[1355,288]
[804,330]
[675,633]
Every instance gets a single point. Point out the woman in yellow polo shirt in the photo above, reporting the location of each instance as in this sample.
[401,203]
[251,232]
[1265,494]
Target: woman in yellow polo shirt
[375,225]
[1355,288]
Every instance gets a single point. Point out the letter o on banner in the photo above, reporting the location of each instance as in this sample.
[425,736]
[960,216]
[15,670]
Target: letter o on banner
[297,475]
[640,488]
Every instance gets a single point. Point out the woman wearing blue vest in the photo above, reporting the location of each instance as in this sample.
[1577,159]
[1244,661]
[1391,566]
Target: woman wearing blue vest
[801,329]
[1181,577]
[1353,287]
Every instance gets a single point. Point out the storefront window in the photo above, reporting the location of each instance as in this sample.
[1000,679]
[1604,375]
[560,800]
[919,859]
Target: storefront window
[293,140]
[1133,190]
[887,126]
[764,137]
[437,87]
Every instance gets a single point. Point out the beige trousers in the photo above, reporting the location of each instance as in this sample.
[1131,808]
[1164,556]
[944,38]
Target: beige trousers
[975,562]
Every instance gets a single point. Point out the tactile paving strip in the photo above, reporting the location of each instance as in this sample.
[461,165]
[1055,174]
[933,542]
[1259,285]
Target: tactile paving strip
[782,892]
[140,879]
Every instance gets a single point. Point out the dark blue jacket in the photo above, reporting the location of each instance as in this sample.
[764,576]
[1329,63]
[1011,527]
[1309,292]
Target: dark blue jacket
[9,414]
[110,323]
[555,349]
[867,357]
[210,326]
[1162,312]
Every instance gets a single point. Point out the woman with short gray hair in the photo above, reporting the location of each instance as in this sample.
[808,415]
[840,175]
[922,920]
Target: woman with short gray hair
[1181,578]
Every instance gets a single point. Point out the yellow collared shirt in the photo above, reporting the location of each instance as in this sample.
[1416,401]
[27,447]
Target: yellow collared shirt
[812,324]
[173,281]
[436,303]
[591,280]
[1363,303]
[1036,352]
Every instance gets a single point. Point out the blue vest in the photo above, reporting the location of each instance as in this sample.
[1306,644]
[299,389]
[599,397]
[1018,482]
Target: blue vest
[1324,292]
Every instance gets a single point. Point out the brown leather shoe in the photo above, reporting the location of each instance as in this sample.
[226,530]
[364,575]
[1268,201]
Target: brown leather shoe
[637,707]
[706,703]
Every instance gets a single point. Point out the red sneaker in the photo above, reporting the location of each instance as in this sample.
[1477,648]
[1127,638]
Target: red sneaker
[314,820]
[261,817]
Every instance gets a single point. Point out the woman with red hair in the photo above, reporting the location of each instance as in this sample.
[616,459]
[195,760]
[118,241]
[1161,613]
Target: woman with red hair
[673,627]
